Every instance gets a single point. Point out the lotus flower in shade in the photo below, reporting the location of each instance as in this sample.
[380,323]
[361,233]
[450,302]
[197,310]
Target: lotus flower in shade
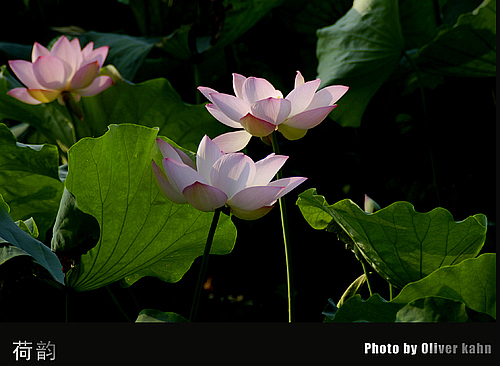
[258,109]
[66,70]
[219,179]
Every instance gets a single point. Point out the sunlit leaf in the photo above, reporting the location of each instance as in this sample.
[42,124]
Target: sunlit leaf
[141,232]
[439,297]
[402,245]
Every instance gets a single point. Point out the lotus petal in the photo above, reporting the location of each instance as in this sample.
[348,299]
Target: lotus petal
[232,172]
[22,95]
[170,192]
[233,141]
[204,197]
[256,126]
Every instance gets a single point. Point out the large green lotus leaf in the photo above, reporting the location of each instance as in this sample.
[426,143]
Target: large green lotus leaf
[141,232]
[361,50]
[153,103]
[49,119]
[29,180]
[472,283]
[402,245]
[16,242]
[467,48]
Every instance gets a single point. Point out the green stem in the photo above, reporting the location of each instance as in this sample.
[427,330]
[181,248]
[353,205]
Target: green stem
[204,265]
[391,292]
[366,275]
[286,239]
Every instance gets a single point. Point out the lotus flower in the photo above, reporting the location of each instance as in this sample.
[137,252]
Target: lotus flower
[258,109]
[220,179]
[66,70]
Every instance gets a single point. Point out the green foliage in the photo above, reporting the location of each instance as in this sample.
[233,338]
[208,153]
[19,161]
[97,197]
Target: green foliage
[14,242]
[361,50]
[444,295]
[141,232]
[401,244]
[366,46]
[29,180]
[156,316]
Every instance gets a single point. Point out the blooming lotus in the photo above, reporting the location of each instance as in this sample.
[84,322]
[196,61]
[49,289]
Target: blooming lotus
[219,179]
[258,109]
[66,70]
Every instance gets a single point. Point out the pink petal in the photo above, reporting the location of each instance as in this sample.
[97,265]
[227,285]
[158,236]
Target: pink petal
[206,92]
[169,151]
[252,214]
[255,89]
[310,118]
[87,50]
[232,172]
[24,72]
[99,84]
[234,108]
[204,197]
[299,79]
[84,76]
[75,44]
[206,156]
[180,175]
[328,96]
[44,96]
[233,141]
[267,168]
[38,50]
[167,189]
[221,117]
[50,72]
[288,183]
[252,198]
[291,133]
[301,96]
[99,55]
[238,81]
[64,51]
[23,95]
[272,110]
[256,126]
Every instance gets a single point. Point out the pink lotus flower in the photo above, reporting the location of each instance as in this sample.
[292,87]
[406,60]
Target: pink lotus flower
[65,69]
[258,109]
[220,179]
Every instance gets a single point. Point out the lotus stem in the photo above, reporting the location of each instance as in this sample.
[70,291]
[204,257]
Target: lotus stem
[286,239]
[204,265]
